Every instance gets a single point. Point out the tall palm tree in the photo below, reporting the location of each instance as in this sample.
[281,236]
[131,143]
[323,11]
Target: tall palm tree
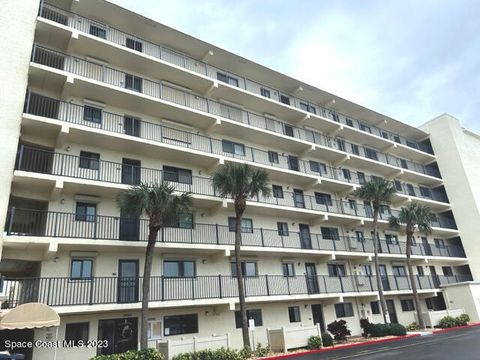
[163,208]
[415,217]
[376,192]
[240,182]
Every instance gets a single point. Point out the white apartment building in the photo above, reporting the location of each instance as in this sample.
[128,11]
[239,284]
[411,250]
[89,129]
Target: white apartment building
[100,98]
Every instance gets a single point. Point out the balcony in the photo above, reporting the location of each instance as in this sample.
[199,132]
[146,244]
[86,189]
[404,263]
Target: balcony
[385,163]
[24,222]
[64,291]
[32,160]
[109,34]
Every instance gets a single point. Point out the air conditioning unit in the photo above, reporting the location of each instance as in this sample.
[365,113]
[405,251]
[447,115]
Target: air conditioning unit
[352,242]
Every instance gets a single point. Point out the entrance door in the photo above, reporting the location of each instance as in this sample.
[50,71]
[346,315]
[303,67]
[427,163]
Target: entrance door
[305,238]
[426,246]
[129,227]
[131,171]
[384,276]
[127,281]
[433,273]
[293,163]
[312,280]
[121,335]
[317,314]
[298,199]
[392,312]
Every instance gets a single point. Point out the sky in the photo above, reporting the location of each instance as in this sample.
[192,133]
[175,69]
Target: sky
[410,60]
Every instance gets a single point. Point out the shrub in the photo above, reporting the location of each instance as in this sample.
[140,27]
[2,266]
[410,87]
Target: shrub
[462,320]
[327,339]
[261,351]
[145,354]
[412,327]
[246,352]
[314,342]
[365,324]
[378,330]
[219,354]
[447,322]
[396,330]
[339,330]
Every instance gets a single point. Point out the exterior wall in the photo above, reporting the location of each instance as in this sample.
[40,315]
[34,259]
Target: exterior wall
[464,296]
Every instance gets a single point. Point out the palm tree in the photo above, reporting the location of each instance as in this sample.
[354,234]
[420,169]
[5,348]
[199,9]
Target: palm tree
[376,192]
[163,208]
[240,182]
[415,217]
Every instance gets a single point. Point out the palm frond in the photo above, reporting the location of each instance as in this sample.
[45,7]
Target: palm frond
[377,191]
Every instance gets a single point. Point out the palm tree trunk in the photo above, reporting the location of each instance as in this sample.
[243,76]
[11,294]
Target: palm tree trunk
[147,272]
[383,304]
[421,322]
[241,287]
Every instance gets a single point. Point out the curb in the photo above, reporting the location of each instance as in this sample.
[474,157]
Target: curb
[439,331]
[348,346]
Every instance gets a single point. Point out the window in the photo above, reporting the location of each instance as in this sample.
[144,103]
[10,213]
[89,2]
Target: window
[89,160]
[265,92]
[396,138]
[329,233]
[131,126]
[277,191]
[178,175]
[134,44]
[403,163]
[133,82]
[92,114]
[282,228]
[227,79]
[407,304]
[371,154]
[182,268]
[81,269]
[318,167]
[429,303]
[255,314]
[410,190]
[245,227]
[154,330]
[249,268]
[288,269]
[323,199]
[385,210]
[346,174]
[288,130]
[384,134]
[426,192]
[307,107]
[365,128]
[85,211]
[412,144]
[439,243]
[398,185]
[359,236]
[414,241]
[391,239]
[336,270]
[361,178]
[349,122]
[341,144]
[334,116]
[420,271]
[284,99]
[77,332]
[293,163]
[273,157]
[447,270]
[294,314]
[180,324]
[367,269]
[96,30]
[185,221]
[233,148]
[355,149]
[343,310]
[399,271]
[375,306]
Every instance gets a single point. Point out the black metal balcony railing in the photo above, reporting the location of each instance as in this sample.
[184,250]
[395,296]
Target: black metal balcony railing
[23,222]
[159,90]
[174,57]
[64,291]
[48,162]
[52,108]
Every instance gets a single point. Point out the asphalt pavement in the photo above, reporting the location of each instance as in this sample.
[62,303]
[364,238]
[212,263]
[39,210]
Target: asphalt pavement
[461,344]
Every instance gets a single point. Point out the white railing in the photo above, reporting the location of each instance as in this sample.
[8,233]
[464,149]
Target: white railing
[432,318]
[169,348]
[291,337]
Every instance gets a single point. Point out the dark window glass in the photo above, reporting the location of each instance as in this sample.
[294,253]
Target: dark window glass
[284,99]
[346,174]
[391,239]
[282,228]
[173,268]
[399,271]
[131,126]
[246,226]
[255,314]
[249,268]
[134,44]
[439,243]
[396,138]
[318,167]
[341,144]
[288,269]
[412,144]
[336,270]
[273,157]
[174,174]
[447,270]
[398,185]
[308,107]
[407,304]
[410,189]
[384,135]
[288,130]
[277,191]
[371,154]
[98,31]
[89,160]
[227,79]
[361,178]
[375,306]
[294,314]
[133,82]
[420,271]
[265,92]
[85,212]
[426,192]
[355,149]
[329,233]
[233,148]
[77,332]
[367,268]
[365,128]
[403,164]
[92,114]
[293,163]
[180,324]
[81,269]
[323,199]
[343,310]
[349,122]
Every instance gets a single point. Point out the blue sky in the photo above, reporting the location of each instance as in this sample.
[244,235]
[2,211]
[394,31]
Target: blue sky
[411,60]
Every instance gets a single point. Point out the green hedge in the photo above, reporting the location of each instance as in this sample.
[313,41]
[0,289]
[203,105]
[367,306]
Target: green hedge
[380,330]
[219,354]
[449,321]
[145,354]
[327,339]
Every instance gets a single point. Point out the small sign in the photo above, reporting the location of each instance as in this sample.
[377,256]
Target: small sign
[251,324]
[49,336]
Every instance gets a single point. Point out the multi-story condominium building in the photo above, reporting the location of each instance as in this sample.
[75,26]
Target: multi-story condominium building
[102,98]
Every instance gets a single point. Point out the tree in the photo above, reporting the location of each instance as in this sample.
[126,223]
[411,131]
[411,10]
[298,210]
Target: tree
[163,208]
[376,192]
[240,182]
[415,217]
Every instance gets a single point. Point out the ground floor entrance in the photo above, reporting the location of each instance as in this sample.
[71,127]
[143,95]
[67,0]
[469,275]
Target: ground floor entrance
[121,335]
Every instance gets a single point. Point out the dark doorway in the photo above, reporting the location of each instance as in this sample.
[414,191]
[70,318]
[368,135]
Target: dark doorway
[298,199]
[305,238]
[384,276]
[34,158]
[317,314]
[27,216]
[433,273]
[311,277]
[392,312]
[127,281]
[131,126]
[426,246]
[131,171]
[25,335]
[129,227]
[121,335]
